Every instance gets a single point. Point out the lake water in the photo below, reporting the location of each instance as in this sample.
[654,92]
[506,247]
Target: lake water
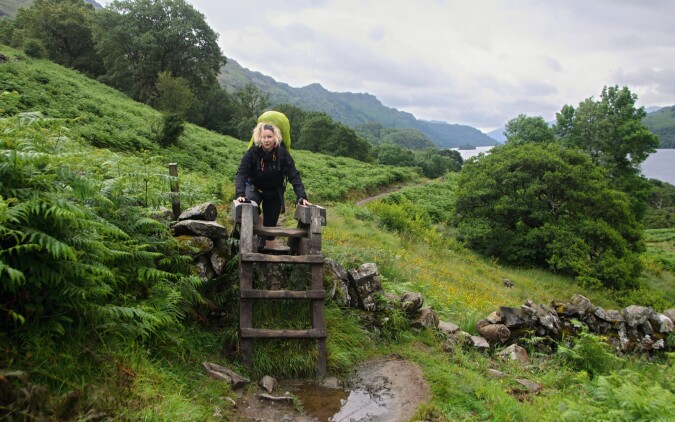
[660,165]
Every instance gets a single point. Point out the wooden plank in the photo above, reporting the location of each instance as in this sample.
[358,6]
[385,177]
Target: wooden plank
[302,214]
[246,313]
[282,294]
[322,358]
[246,234]
[279,231]
[299,259]
[314,232]
[236,211]
[175,190]
[267,333]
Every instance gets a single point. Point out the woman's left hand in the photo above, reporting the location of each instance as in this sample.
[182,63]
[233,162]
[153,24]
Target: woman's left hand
[304,202]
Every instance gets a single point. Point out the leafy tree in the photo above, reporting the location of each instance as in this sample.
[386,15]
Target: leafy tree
[661,205]
[526,129]
[296,118]
[434,163]
[320,133]
[249,102]
[173,95]
[216,110]
[539,205]
[394,155]
[611,132]
[139,39]
[64,27]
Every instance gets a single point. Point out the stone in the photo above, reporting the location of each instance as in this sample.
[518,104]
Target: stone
[583,305]
[514,318]
[220,256]
[194,245]
[544,316]
[225,374]
[532,387]
[268,383]
[336,269]
[411,302]
[479,342]
[367,283]
[508,283]
[637,315]
[334,277]
[161,214]
[206,211]
[456,340]
[426,318]
[495,373]
[664,324]
[494,318]
[210,229]
[206,272]
[514,353]
[670,313]
[447,327]
[495,333]
[342,296]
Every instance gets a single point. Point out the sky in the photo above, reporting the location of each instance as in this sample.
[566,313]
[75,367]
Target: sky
[478,63]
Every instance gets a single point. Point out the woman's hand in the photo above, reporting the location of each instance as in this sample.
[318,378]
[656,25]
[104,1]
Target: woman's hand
[304,202]
[241,199]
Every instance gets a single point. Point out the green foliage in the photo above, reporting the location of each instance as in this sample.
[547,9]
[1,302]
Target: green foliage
[140,39]
[589,353]
[435,163]
[34,48]
[524,129]
[73,255]
[249,102]
[662,124]
[319,133]
[406,138]
[394,155]
[534,205]
[173,95]
[624,396]
[64,28]
[172,128]
[611,132]
[660,205]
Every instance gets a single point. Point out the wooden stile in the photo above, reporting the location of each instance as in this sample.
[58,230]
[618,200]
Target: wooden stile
[305,248]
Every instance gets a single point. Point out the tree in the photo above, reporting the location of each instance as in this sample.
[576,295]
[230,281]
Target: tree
[249,102]
[320,133]
[540,205]
[394,155]
[611,132]
[435,163]
[296,118]
[216,111]
[64,27]
[173,95]
[407,138]
[525,129]
[139,39]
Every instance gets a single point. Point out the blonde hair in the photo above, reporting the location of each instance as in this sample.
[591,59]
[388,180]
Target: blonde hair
[260,127]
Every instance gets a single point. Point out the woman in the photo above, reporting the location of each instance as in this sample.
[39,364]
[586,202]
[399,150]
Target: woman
[261,173]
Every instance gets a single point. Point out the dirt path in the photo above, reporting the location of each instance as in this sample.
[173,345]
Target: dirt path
[389,190]
[381,390]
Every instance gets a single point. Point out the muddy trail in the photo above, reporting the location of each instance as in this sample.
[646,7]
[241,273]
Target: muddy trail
[387,389]
[388,191]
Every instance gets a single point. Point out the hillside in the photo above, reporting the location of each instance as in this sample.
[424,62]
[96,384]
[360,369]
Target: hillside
[10,7]
[662,123]
[350,108]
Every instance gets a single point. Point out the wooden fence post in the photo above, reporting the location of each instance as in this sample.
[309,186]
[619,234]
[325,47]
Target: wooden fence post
[175,191]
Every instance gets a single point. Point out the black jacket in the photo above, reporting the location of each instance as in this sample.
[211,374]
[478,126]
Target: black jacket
[266,171]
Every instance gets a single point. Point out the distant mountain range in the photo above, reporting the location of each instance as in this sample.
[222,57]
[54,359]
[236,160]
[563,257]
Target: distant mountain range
[660,120]
[351,109]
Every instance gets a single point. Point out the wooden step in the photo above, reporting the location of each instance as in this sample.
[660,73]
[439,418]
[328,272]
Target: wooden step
[279,231]
[282,294]
[298,259]
[266,333]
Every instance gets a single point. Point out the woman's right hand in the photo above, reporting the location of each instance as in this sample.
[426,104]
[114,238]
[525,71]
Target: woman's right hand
[241,199]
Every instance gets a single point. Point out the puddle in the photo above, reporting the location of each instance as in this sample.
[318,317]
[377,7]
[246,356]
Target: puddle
[378,391]
[337,405]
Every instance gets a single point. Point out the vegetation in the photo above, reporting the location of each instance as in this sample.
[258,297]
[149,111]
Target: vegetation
[107,318]
[662,123]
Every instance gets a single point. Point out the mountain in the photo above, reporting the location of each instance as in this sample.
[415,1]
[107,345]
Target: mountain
[498,135]
[662,124]
[351,109]
[10,7]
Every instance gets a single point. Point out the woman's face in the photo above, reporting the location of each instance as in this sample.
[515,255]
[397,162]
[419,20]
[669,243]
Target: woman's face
[268,140]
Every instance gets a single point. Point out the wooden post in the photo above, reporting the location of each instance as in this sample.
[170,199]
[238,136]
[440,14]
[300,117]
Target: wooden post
[175,191]
[246,282]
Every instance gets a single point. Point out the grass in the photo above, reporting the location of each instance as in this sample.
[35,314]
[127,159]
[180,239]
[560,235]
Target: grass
[112,140]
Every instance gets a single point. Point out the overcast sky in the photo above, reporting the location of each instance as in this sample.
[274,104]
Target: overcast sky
[478,63]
